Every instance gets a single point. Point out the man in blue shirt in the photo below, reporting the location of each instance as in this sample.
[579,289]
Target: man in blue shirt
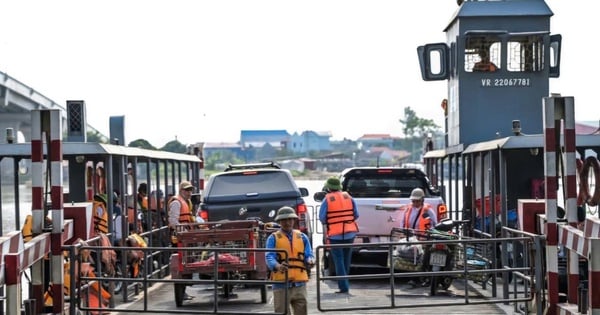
[293,265]
[339,213]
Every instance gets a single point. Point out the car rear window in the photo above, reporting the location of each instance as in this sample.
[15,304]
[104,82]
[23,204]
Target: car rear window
[252,182]
[382,184]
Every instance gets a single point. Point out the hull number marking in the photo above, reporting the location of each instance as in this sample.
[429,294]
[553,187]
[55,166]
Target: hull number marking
[505,82]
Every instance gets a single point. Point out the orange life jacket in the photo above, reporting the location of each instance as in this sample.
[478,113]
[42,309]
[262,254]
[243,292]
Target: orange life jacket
[295,253]
[185,212]
[100,221]
[340,213]
[422,224]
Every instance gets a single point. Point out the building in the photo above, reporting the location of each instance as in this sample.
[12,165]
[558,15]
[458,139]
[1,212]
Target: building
[309,141]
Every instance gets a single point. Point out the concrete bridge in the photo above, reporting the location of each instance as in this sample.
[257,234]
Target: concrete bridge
[16,102]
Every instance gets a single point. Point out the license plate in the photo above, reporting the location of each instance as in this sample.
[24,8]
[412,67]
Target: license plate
[437,259]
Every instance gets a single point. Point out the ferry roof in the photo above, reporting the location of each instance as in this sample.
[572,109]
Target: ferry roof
[501,8]
[93,148]
[512,142]
[527,141]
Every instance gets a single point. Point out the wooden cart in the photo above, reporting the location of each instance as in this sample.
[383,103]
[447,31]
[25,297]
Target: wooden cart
[220,251]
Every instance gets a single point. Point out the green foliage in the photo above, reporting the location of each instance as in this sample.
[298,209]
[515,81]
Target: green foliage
[95,136]
[174,146]
[220,159]
[142,143]
[416,127]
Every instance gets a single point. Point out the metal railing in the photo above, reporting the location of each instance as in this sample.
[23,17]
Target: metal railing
[465,272]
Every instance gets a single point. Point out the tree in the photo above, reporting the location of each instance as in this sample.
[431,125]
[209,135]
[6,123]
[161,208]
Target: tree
[416,127]
[141,143]
[174,146]
[95,136]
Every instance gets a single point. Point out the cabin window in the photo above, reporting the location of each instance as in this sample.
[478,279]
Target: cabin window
[482,54]
[525,53]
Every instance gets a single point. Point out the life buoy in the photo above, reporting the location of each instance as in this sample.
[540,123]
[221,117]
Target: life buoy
[592,199]
[581,197]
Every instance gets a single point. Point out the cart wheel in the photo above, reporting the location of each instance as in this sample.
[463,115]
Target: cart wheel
[179,293]
[446,282]
[263,294]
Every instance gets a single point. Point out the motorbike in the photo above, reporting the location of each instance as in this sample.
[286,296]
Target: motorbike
[441,256]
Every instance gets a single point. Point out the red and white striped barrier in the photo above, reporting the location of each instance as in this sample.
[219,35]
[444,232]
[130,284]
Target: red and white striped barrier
[17,262]
[57,213]
[46,126]
[553,108]
[10,243]
[584,243]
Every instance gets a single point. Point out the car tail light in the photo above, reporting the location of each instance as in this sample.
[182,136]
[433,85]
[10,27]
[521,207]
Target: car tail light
[439,246]
[301,210]
[204,215]
[442,211]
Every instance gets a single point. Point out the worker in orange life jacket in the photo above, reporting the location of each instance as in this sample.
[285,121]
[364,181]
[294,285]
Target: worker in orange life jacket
[180,211]
[299,257]
[413,215]
[339,214]
[100,213]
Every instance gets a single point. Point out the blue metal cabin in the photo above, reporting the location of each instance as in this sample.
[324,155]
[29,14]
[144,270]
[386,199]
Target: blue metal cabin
[494,153]
[488,106]
[515,34]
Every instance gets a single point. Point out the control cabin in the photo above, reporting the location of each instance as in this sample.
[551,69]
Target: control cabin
[498,59]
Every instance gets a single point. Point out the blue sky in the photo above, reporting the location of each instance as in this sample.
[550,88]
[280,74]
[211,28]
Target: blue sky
[204,70]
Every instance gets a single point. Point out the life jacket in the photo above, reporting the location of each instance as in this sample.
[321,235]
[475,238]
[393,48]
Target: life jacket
[134,257]
[295,253]
[48,297]
[156,202]
[185,212]
[95,296]
[340,214]
[91,297]
[142,202]
[100,221]
[89,183]
[27,229]
[108,256]
[422,224]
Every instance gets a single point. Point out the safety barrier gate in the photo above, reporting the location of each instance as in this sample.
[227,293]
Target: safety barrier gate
[531,243]
[585,244]
[81,285]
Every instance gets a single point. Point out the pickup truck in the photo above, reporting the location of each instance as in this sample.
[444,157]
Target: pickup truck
[381,194]
[254,191]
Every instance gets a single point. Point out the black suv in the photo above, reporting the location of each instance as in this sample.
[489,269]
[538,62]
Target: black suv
[254,191]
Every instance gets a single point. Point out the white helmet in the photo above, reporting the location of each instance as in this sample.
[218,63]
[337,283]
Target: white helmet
[417,194]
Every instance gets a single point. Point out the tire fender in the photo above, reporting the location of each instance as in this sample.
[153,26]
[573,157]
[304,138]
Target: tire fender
[592,199]
[581,196]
